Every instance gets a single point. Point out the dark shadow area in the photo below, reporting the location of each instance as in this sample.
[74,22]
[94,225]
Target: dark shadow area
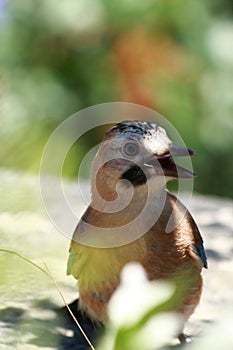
[11,315]
[47,326]
[213,254]
[71,337]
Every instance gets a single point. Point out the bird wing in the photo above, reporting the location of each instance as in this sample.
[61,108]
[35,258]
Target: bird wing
[73,264]
[77,256]
[190,228]
[199,243]
[198,248]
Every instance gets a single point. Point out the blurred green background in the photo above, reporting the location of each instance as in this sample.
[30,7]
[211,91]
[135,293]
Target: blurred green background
[175,56]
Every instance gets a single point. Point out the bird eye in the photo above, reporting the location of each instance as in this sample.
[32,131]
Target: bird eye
[130,149]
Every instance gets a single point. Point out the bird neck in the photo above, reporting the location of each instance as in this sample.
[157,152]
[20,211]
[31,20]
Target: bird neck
[113,195]
[103,186]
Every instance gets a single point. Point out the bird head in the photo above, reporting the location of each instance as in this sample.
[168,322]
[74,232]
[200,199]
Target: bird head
[138,151]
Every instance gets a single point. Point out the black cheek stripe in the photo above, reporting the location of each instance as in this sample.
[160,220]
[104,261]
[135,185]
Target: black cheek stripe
[135,175]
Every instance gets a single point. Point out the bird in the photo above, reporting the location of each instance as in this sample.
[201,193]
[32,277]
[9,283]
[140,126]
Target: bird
[136,157]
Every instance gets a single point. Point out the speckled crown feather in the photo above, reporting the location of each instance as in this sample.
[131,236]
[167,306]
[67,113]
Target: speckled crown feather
[149,134]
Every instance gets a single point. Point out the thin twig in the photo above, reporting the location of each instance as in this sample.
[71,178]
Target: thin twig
[70,311]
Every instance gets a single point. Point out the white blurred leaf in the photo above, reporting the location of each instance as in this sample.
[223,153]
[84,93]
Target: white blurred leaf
[135,296]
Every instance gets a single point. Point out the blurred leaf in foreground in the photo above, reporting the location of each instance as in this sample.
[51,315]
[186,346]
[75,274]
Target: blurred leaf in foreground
[136,320]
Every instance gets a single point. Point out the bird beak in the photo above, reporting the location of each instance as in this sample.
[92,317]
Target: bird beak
[166,165]
[179,151]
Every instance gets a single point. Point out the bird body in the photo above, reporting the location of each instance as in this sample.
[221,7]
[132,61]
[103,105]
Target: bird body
[176,255]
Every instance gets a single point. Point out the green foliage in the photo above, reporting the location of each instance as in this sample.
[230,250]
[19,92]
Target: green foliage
[59,57]
[139,318]
[138,312]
